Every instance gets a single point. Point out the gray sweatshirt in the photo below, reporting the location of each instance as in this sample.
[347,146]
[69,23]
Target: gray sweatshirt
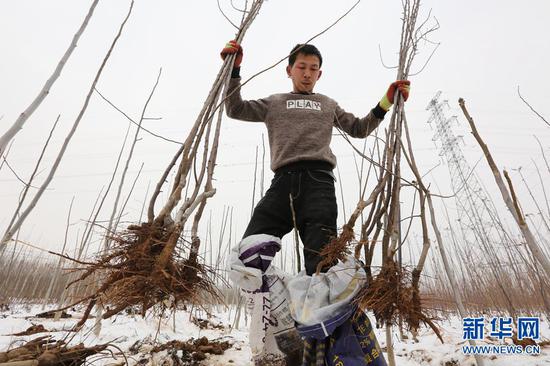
[299,126]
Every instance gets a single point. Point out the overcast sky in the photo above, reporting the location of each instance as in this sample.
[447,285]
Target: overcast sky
[488,49]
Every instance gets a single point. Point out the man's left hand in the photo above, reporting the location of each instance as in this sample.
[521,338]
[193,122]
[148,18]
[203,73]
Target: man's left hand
[403,86]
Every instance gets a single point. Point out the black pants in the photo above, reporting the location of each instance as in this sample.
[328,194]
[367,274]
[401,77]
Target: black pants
[314,203]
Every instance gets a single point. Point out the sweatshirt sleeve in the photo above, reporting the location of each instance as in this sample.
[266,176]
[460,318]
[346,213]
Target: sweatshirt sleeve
[244,110]
[358,127]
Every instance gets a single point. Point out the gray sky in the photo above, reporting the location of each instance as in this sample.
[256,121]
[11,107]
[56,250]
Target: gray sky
[487,49]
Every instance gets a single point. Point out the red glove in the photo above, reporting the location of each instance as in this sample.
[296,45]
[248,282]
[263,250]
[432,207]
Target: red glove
[388,99]
[232,47]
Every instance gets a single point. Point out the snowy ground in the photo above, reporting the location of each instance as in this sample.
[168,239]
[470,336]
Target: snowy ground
[124,331]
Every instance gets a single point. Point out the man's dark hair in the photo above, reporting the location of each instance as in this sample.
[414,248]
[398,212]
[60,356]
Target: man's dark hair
[304,49]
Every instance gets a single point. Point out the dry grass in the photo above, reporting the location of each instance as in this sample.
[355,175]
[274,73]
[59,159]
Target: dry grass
[26,279]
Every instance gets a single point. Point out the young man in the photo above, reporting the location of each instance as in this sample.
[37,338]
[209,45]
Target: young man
[300,125]
[284,310]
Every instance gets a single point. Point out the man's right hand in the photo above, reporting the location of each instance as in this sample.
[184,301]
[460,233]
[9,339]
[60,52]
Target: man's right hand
[232,47]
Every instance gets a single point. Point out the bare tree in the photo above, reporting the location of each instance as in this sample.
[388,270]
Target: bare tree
[149,249]
[9,234]
[23,117]
[110,227]
[31,179]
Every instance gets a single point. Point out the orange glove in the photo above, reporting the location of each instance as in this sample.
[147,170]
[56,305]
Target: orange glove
[404,86]
[232,47]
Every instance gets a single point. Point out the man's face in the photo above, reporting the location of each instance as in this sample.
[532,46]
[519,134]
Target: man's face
[304,73]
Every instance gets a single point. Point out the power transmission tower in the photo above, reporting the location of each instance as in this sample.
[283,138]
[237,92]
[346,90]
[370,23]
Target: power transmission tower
[487,243]
[477,215]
